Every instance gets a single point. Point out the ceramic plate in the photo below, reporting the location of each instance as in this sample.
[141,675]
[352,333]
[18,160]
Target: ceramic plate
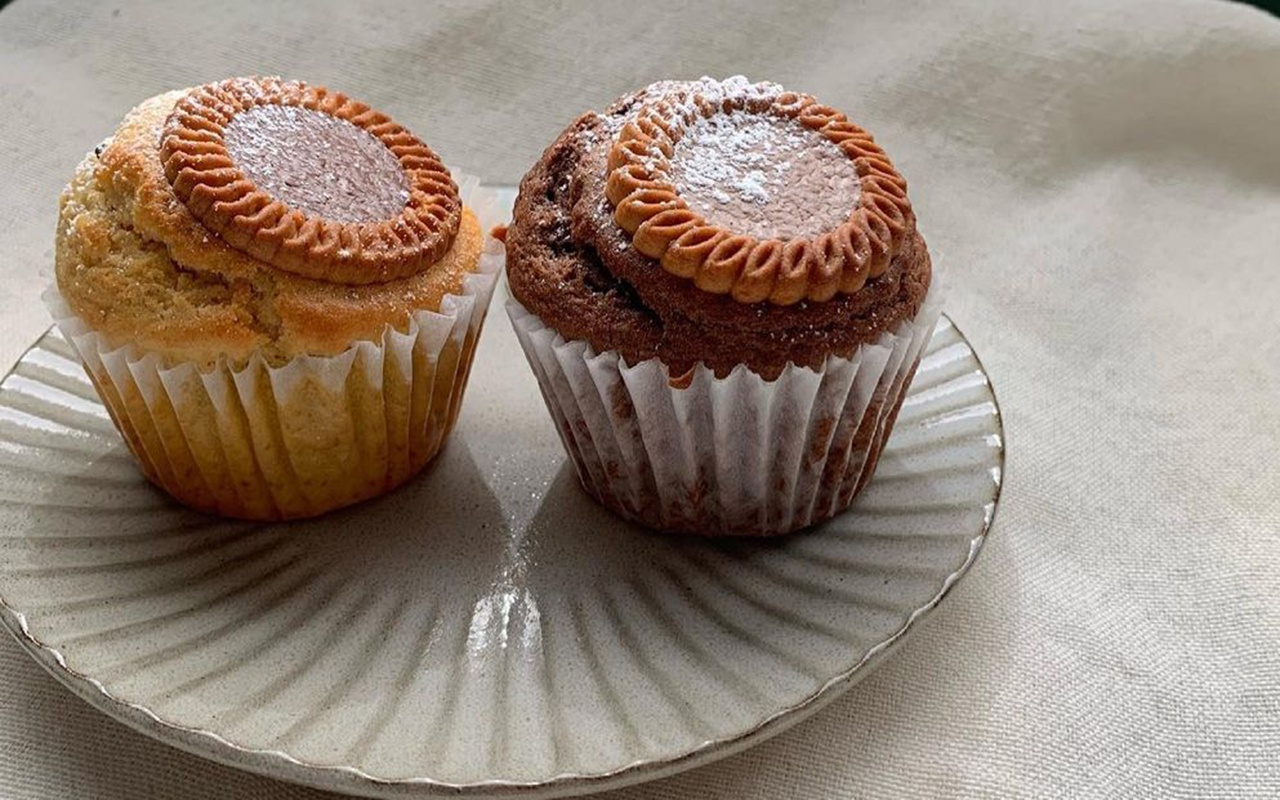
[487,629]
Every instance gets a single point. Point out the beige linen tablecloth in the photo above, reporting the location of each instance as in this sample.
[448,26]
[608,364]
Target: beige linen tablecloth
[1099,183]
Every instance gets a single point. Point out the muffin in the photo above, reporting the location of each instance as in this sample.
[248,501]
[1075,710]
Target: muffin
[723,294]
[276,291]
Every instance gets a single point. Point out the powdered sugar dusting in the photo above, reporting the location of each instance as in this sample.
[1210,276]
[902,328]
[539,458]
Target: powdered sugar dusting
[680,97]
[317,163]
[763,175]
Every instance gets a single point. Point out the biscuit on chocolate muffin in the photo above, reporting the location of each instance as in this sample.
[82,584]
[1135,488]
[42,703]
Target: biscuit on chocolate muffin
[722,291]
[573,265]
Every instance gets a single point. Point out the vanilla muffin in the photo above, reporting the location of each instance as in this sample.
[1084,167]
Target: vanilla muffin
[723,293]
[277,292]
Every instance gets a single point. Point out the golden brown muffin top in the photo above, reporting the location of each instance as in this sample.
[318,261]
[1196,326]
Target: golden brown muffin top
[142,265]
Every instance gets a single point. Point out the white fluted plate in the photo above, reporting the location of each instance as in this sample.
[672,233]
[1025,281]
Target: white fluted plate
[487,628]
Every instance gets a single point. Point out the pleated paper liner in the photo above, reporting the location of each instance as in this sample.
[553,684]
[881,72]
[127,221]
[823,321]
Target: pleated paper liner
[737,455]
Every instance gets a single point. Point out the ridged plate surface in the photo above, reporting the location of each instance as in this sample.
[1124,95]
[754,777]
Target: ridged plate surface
[487,626]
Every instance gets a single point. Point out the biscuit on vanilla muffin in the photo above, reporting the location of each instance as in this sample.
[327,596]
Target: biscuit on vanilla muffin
[134,263]
[277,292]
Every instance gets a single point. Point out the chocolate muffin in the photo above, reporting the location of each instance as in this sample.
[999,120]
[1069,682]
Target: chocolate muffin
[277,292]
[723,293]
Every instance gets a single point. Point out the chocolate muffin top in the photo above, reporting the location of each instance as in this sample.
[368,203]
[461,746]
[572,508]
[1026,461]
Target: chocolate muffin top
[722,222]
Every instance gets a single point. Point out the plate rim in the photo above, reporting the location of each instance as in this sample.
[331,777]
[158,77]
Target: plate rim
[279,765]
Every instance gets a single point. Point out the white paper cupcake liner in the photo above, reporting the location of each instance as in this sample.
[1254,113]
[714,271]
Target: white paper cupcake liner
[737,455]
[298,439]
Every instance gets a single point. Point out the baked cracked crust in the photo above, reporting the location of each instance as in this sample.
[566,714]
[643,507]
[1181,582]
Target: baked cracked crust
[570,262]
[135,262]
